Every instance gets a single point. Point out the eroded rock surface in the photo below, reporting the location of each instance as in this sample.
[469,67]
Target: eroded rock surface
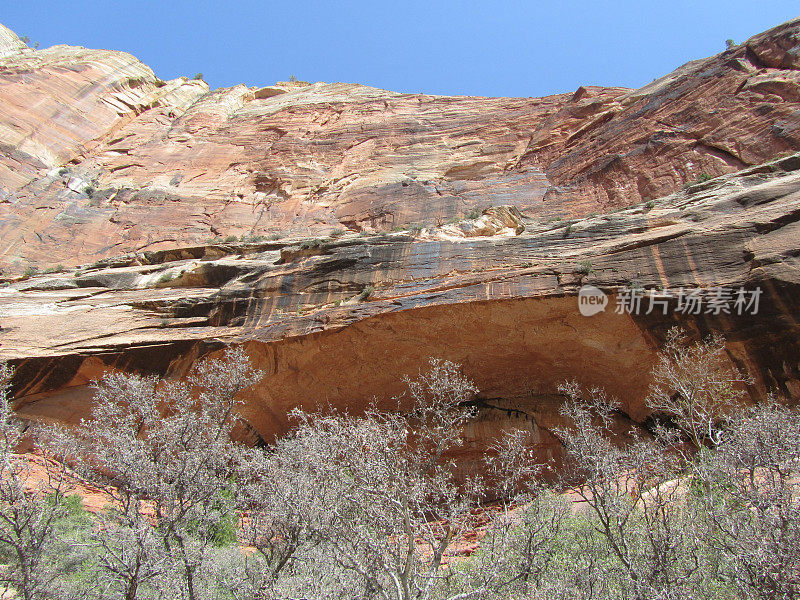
[381,229]
[99,157]
[340,321]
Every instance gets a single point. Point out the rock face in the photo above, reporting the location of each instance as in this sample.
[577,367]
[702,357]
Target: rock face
[340,322]
[106,166]
[100,157]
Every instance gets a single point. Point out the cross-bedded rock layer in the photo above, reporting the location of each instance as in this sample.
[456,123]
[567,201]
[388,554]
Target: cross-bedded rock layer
[340,321]
[99,157]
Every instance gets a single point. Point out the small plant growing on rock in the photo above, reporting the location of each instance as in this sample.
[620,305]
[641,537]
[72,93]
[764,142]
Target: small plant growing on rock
[475,213]
[585,268]
[366,293]
[702,178]
[308,244]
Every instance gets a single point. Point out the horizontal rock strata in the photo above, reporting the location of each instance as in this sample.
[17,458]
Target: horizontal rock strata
[99,157]
[339,322]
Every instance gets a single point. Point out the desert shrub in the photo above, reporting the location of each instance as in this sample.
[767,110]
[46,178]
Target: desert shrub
[752,504]
[585,268]
[702,506]
[30,506]
[634,494]
[162,448]
[308,244]
[372,498]
[695,387]
[366,292]
[474,213]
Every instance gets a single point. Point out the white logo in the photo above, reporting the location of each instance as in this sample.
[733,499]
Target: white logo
[591,300]
[693,301]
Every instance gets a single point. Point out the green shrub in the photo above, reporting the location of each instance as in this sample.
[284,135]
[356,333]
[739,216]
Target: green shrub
[308,244]
[475,213]
[223,530]
[585,268]
[366,293]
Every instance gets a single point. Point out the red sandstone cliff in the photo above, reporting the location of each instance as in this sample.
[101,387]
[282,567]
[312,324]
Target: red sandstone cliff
[99,157]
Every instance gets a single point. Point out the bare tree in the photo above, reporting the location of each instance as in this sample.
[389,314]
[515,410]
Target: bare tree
[524,523]
[374,496]
[372,506]
[636,500]
[163,454]
[694,386]
[29,509]
[754,501]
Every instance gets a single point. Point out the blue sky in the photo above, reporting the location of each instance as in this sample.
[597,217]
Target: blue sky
[499,48]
